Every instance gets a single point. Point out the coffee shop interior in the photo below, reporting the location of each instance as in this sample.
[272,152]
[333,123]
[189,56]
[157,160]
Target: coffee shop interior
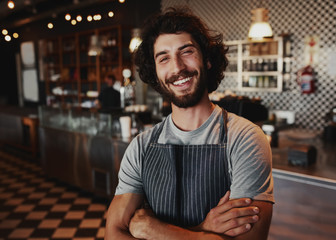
[60,152]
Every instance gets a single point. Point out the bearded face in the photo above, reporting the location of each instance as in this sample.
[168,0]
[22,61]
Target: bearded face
[189,97]
[180,69]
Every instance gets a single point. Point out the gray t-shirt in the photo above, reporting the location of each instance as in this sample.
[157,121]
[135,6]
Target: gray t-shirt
[248,153]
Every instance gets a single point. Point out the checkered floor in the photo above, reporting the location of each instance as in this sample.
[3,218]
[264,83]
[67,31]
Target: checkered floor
[33,206]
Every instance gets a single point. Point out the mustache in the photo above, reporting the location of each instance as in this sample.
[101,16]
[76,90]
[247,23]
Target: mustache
[183,74]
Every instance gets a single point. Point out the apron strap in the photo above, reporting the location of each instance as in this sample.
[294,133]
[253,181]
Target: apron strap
[223,128]
[157,133]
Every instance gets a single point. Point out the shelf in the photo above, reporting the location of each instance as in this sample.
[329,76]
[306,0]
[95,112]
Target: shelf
[272,57]
[109,63]
[259,89]
[253,63]
[66,57]
[260,73]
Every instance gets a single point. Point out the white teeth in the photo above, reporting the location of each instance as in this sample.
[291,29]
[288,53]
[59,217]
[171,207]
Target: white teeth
[182,81]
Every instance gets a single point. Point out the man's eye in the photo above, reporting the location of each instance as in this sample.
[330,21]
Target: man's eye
[186,52]
[164,59]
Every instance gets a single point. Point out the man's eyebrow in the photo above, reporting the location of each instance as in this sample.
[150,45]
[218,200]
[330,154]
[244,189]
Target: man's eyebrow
[180,48]
[185,46]
[159,54]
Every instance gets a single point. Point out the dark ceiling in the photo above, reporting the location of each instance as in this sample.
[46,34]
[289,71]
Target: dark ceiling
[29,11]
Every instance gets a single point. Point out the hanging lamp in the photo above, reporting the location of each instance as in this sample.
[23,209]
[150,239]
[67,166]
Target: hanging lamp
[136,40]
[260,27]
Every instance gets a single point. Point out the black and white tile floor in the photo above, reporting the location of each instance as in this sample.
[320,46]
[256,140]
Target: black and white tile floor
[35,207]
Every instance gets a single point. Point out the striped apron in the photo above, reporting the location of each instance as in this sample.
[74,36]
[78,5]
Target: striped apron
[183,182]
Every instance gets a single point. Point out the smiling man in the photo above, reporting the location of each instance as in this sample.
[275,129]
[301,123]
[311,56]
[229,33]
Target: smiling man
[203,173]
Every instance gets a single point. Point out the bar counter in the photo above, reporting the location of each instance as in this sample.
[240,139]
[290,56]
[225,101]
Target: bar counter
[305,196]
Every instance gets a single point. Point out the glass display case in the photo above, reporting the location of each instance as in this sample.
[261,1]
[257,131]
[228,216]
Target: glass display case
[71,119]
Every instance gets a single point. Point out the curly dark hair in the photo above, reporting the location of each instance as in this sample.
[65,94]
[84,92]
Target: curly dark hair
[176,20]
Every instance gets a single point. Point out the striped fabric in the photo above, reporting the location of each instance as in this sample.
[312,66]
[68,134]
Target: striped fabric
[183,182]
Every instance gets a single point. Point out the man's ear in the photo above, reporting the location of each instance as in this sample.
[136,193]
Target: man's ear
[208,64]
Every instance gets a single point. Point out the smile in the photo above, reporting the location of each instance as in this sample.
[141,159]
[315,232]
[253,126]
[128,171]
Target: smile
[179,82]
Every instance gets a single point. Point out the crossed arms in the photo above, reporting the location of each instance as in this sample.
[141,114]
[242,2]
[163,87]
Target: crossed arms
[230,219]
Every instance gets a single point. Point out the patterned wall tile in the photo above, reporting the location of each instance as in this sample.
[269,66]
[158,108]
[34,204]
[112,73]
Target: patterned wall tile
[300,18]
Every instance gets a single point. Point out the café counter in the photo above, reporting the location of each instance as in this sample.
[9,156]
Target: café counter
[81,149]
[305,196]
[86,152]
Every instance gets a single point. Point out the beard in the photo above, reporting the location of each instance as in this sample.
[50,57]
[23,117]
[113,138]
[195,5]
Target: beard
[189,99]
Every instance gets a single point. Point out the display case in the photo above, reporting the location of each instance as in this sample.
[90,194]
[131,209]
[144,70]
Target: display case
[83,149]
[258,66]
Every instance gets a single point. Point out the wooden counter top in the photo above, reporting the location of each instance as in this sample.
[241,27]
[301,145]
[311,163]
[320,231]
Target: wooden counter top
[325,166]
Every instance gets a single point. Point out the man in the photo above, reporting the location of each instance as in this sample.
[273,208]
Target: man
[109,97]
[205,173]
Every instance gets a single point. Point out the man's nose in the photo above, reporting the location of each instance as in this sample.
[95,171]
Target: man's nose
[177,65]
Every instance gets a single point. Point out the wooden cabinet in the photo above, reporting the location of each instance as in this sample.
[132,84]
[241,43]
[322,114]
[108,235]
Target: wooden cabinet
[70,73]
[257,66]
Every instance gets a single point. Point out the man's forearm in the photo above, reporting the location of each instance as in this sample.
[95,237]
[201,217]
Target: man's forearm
[165,231]
[144,225]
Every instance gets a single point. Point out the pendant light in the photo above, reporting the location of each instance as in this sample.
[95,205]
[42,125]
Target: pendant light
[260,27]
[95,48]
[136,40]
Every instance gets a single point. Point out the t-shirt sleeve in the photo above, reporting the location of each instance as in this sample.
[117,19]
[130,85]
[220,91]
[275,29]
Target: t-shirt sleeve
[251,164]
[130,169]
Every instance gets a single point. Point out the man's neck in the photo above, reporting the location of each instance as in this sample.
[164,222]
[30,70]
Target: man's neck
[188,119]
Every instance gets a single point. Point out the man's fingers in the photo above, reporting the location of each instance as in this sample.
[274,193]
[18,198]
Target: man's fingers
[238,226]
[224,199]
[239,230]
[235,203]
[238,213]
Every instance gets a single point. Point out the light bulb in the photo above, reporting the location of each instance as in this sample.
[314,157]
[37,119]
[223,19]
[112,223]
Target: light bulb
[110,14]
[10,4]
[68,17]
[4,32]
[8,38]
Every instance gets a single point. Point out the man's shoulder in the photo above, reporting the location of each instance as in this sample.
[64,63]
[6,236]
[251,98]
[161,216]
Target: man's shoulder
[144,138]
[241,127]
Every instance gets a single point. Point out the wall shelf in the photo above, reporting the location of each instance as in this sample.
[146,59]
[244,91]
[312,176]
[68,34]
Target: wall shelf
[68,67]
[257,66]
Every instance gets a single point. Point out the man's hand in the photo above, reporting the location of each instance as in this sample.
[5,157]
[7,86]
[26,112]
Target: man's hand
[230,217]
[142,221]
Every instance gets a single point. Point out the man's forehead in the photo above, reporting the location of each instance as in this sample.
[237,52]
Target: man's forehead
[167,41]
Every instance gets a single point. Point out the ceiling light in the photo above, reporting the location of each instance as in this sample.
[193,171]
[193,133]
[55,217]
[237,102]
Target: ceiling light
[110,14]
[10,4]
[136,40]
[95,46]
[73,22]
[121,1]
[15,35]
[8,38]
[67,17]
[97,17]
[89,18]
[50,25]
[260,27]
[4,32]
[79,18]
